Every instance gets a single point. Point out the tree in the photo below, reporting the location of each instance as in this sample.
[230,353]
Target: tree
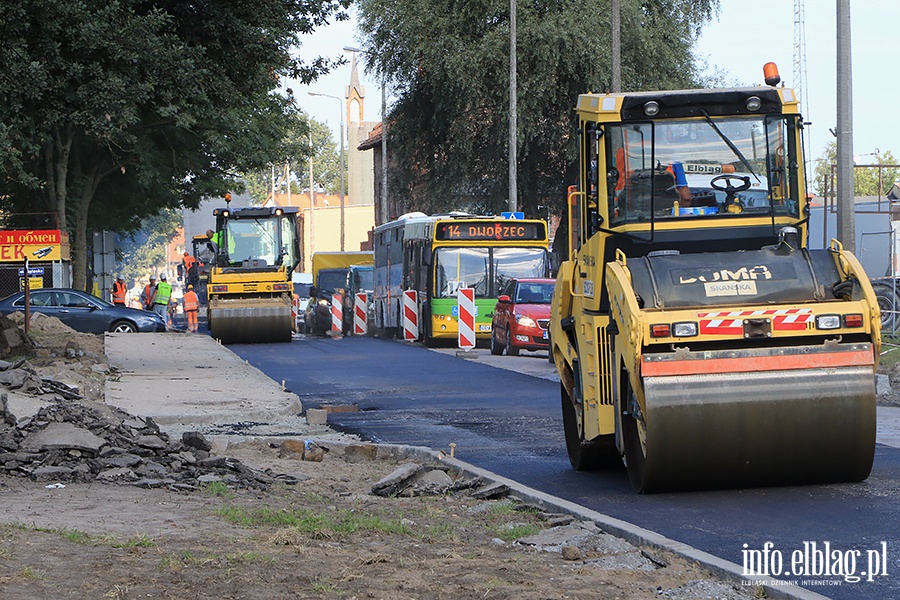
[115,110]
[865,180]
[326,163]
[447,63]
[144,252]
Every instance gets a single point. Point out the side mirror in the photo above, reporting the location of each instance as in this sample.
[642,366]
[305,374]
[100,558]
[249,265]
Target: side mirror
[504,298]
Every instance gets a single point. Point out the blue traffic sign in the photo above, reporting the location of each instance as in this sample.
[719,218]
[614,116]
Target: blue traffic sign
[32,271]
[513,215]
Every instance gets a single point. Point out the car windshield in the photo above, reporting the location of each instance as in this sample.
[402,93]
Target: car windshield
[364,279]
[715,167]
[534,293]
[332,279]
[485,269]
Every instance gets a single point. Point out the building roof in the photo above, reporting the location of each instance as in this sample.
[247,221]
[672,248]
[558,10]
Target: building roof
[373,140]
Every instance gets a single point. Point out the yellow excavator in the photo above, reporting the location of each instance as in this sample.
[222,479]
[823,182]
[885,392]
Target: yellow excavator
[256,249]
[695,334]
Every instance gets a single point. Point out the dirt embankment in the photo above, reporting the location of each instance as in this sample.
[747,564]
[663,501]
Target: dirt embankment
[133,513]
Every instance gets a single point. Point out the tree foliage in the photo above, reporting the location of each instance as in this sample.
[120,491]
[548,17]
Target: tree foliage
[448,65]
[325,159]
[865,180]
[143,252]
[115,110]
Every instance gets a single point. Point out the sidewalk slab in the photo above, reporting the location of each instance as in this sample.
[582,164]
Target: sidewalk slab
[181,378]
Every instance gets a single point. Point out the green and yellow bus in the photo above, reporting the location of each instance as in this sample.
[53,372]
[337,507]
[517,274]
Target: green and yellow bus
[439,254]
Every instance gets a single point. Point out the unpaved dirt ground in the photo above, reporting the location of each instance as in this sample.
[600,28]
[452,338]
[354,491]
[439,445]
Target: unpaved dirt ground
[325,537]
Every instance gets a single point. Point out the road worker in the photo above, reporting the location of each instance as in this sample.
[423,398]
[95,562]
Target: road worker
[119,291]
[147,294]
[191,307]
[161,297]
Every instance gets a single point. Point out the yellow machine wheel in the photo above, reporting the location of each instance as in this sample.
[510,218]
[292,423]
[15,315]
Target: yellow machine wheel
[584,455]
[635,437]
[250,324]
[751,429]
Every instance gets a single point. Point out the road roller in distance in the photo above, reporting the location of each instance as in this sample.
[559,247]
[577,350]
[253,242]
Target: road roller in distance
[696,335]
[249,288]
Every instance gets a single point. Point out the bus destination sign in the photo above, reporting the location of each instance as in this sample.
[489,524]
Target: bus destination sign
[503,230]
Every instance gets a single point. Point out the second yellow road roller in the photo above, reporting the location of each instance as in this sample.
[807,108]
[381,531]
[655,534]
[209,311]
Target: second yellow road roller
[695,333]
[256,250]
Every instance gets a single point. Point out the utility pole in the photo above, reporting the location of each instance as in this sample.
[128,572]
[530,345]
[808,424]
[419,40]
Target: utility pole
[846,214]
[385,214]
[312,199]
[616,43]
[513,191]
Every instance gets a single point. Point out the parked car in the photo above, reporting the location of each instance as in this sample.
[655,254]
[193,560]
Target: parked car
[83,312]
[522,316]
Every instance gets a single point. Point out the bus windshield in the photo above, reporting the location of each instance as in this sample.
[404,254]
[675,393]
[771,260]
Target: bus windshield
[485,269]
[714,167]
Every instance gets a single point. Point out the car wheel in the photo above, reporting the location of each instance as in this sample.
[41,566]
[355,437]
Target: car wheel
[123,327]
[510,349]
[496,348]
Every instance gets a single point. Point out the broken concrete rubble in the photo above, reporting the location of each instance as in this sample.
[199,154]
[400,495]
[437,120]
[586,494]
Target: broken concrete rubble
[59,436]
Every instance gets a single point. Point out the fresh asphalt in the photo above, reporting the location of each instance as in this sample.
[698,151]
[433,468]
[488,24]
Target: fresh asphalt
[509,423]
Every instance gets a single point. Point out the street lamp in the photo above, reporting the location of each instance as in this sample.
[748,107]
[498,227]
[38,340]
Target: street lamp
[342,159]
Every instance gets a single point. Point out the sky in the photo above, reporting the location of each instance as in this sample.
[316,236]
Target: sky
[736,45]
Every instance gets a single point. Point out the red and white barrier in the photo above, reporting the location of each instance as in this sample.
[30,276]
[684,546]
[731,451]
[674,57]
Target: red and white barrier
[295,312]
[410,316]
[465,299]
[337,314]
[360,311]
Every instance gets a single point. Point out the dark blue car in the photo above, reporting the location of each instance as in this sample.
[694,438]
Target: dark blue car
[83,312]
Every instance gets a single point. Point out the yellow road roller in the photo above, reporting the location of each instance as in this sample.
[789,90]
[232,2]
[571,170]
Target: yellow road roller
[696,335]
[256,250]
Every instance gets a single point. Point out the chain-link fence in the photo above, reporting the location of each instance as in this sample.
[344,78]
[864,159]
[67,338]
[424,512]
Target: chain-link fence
[55,274]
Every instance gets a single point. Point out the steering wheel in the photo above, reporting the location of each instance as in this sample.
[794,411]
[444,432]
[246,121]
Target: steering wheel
[729,189]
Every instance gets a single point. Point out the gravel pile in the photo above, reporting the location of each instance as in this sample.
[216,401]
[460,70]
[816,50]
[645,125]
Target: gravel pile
[49,433]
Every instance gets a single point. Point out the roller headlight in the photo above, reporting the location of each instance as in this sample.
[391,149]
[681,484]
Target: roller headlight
[686,329]
[828,322]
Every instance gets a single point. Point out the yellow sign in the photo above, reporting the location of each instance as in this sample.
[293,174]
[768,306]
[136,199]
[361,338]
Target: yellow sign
[16,245]
[34,283]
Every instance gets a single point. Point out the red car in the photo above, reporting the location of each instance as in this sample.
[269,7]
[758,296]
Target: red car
[522,316]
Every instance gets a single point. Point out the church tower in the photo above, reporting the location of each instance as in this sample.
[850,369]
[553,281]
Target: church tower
[360,166]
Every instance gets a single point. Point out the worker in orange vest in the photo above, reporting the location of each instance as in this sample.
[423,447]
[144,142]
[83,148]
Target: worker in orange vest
[147,294]
[191,307]
[189,263]
[119,291]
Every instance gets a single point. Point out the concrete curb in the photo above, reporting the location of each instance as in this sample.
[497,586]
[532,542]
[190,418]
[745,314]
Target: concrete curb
[726,571]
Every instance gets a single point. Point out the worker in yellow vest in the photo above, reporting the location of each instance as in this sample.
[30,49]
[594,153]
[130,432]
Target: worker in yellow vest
[191,307]
[161,297]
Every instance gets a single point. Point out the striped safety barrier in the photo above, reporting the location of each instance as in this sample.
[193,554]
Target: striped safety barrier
[360,306]
[337,314]
[410,316]
[465,298]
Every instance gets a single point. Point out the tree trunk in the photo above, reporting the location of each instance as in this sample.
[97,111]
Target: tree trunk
[80,244]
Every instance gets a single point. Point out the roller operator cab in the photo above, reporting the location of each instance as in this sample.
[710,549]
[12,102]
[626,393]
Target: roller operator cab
[250,290]
[695,334]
